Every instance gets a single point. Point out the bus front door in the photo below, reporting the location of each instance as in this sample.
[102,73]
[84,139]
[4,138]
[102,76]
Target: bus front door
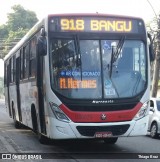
[40,78]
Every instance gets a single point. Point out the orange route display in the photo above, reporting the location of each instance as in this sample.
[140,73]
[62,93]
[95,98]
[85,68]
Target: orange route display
[70,83]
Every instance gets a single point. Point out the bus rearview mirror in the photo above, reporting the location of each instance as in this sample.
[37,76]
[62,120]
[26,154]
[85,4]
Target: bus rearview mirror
[151,50]
[42,46]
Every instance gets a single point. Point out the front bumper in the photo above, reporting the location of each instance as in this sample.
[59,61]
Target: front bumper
[63,130]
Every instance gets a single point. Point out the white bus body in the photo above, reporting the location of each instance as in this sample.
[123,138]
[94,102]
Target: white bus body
[66,100]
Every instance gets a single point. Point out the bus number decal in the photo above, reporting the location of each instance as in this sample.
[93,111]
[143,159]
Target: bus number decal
[71,24]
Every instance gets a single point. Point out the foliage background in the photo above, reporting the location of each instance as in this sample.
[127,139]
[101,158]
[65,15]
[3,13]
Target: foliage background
[19,22]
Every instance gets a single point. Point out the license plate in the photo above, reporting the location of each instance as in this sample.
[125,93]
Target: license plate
[103,134]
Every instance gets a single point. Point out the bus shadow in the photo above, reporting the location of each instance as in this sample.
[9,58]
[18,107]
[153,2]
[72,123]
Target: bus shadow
[85,149]
[82,145]
[156,138]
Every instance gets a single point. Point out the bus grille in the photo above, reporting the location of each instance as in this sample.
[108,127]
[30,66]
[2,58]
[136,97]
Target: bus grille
[91,130]
[96,108]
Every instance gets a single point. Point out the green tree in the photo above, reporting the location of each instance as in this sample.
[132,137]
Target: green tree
[154,30]
[12,39]
[157,60]
[3,31]
[21,18]
[17,25]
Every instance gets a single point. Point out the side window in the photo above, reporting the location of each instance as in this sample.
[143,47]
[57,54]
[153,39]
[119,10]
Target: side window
[9,71]
[32,58]
[26,60]
[22,65]
[14,68]
[5,73]
[11,63]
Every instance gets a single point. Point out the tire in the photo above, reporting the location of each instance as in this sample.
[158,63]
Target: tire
[17,125]
[154,129]
[41,138]
[110,140]
[34,121]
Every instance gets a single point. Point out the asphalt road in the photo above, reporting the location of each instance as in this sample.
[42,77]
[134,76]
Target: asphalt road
[24,141]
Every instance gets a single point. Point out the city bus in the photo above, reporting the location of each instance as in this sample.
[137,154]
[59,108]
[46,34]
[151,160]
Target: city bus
[81,76]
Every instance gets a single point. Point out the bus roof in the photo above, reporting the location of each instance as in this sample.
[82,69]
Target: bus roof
[94,15]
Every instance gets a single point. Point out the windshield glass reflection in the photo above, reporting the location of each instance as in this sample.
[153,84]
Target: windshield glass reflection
[90,73]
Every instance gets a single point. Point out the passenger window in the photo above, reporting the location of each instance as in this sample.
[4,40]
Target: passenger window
[26,60]
[22,65]
[10,71]
[14,68]
[5,74]
[32,60]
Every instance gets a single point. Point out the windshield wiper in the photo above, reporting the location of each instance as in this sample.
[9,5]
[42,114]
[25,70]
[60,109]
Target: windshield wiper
[115,54]
[78,53]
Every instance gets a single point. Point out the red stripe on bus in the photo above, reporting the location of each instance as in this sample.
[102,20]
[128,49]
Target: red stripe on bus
[111,116]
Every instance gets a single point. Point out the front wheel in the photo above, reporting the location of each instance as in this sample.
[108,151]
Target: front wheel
[154,129]
[42,139]
[111,140]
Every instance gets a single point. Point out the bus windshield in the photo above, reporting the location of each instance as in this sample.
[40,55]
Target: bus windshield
[81,68]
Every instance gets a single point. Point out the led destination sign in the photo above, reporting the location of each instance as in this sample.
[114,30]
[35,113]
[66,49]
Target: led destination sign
[95,24]
[70,83]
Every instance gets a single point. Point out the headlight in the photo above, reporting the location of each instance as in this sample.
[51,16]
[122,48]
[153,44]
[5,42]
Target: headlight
[59,114]
[142,112]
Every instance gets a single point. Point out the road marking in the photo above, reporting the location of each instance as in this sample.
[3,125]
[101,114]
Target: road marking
[11,149]
[7,145]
